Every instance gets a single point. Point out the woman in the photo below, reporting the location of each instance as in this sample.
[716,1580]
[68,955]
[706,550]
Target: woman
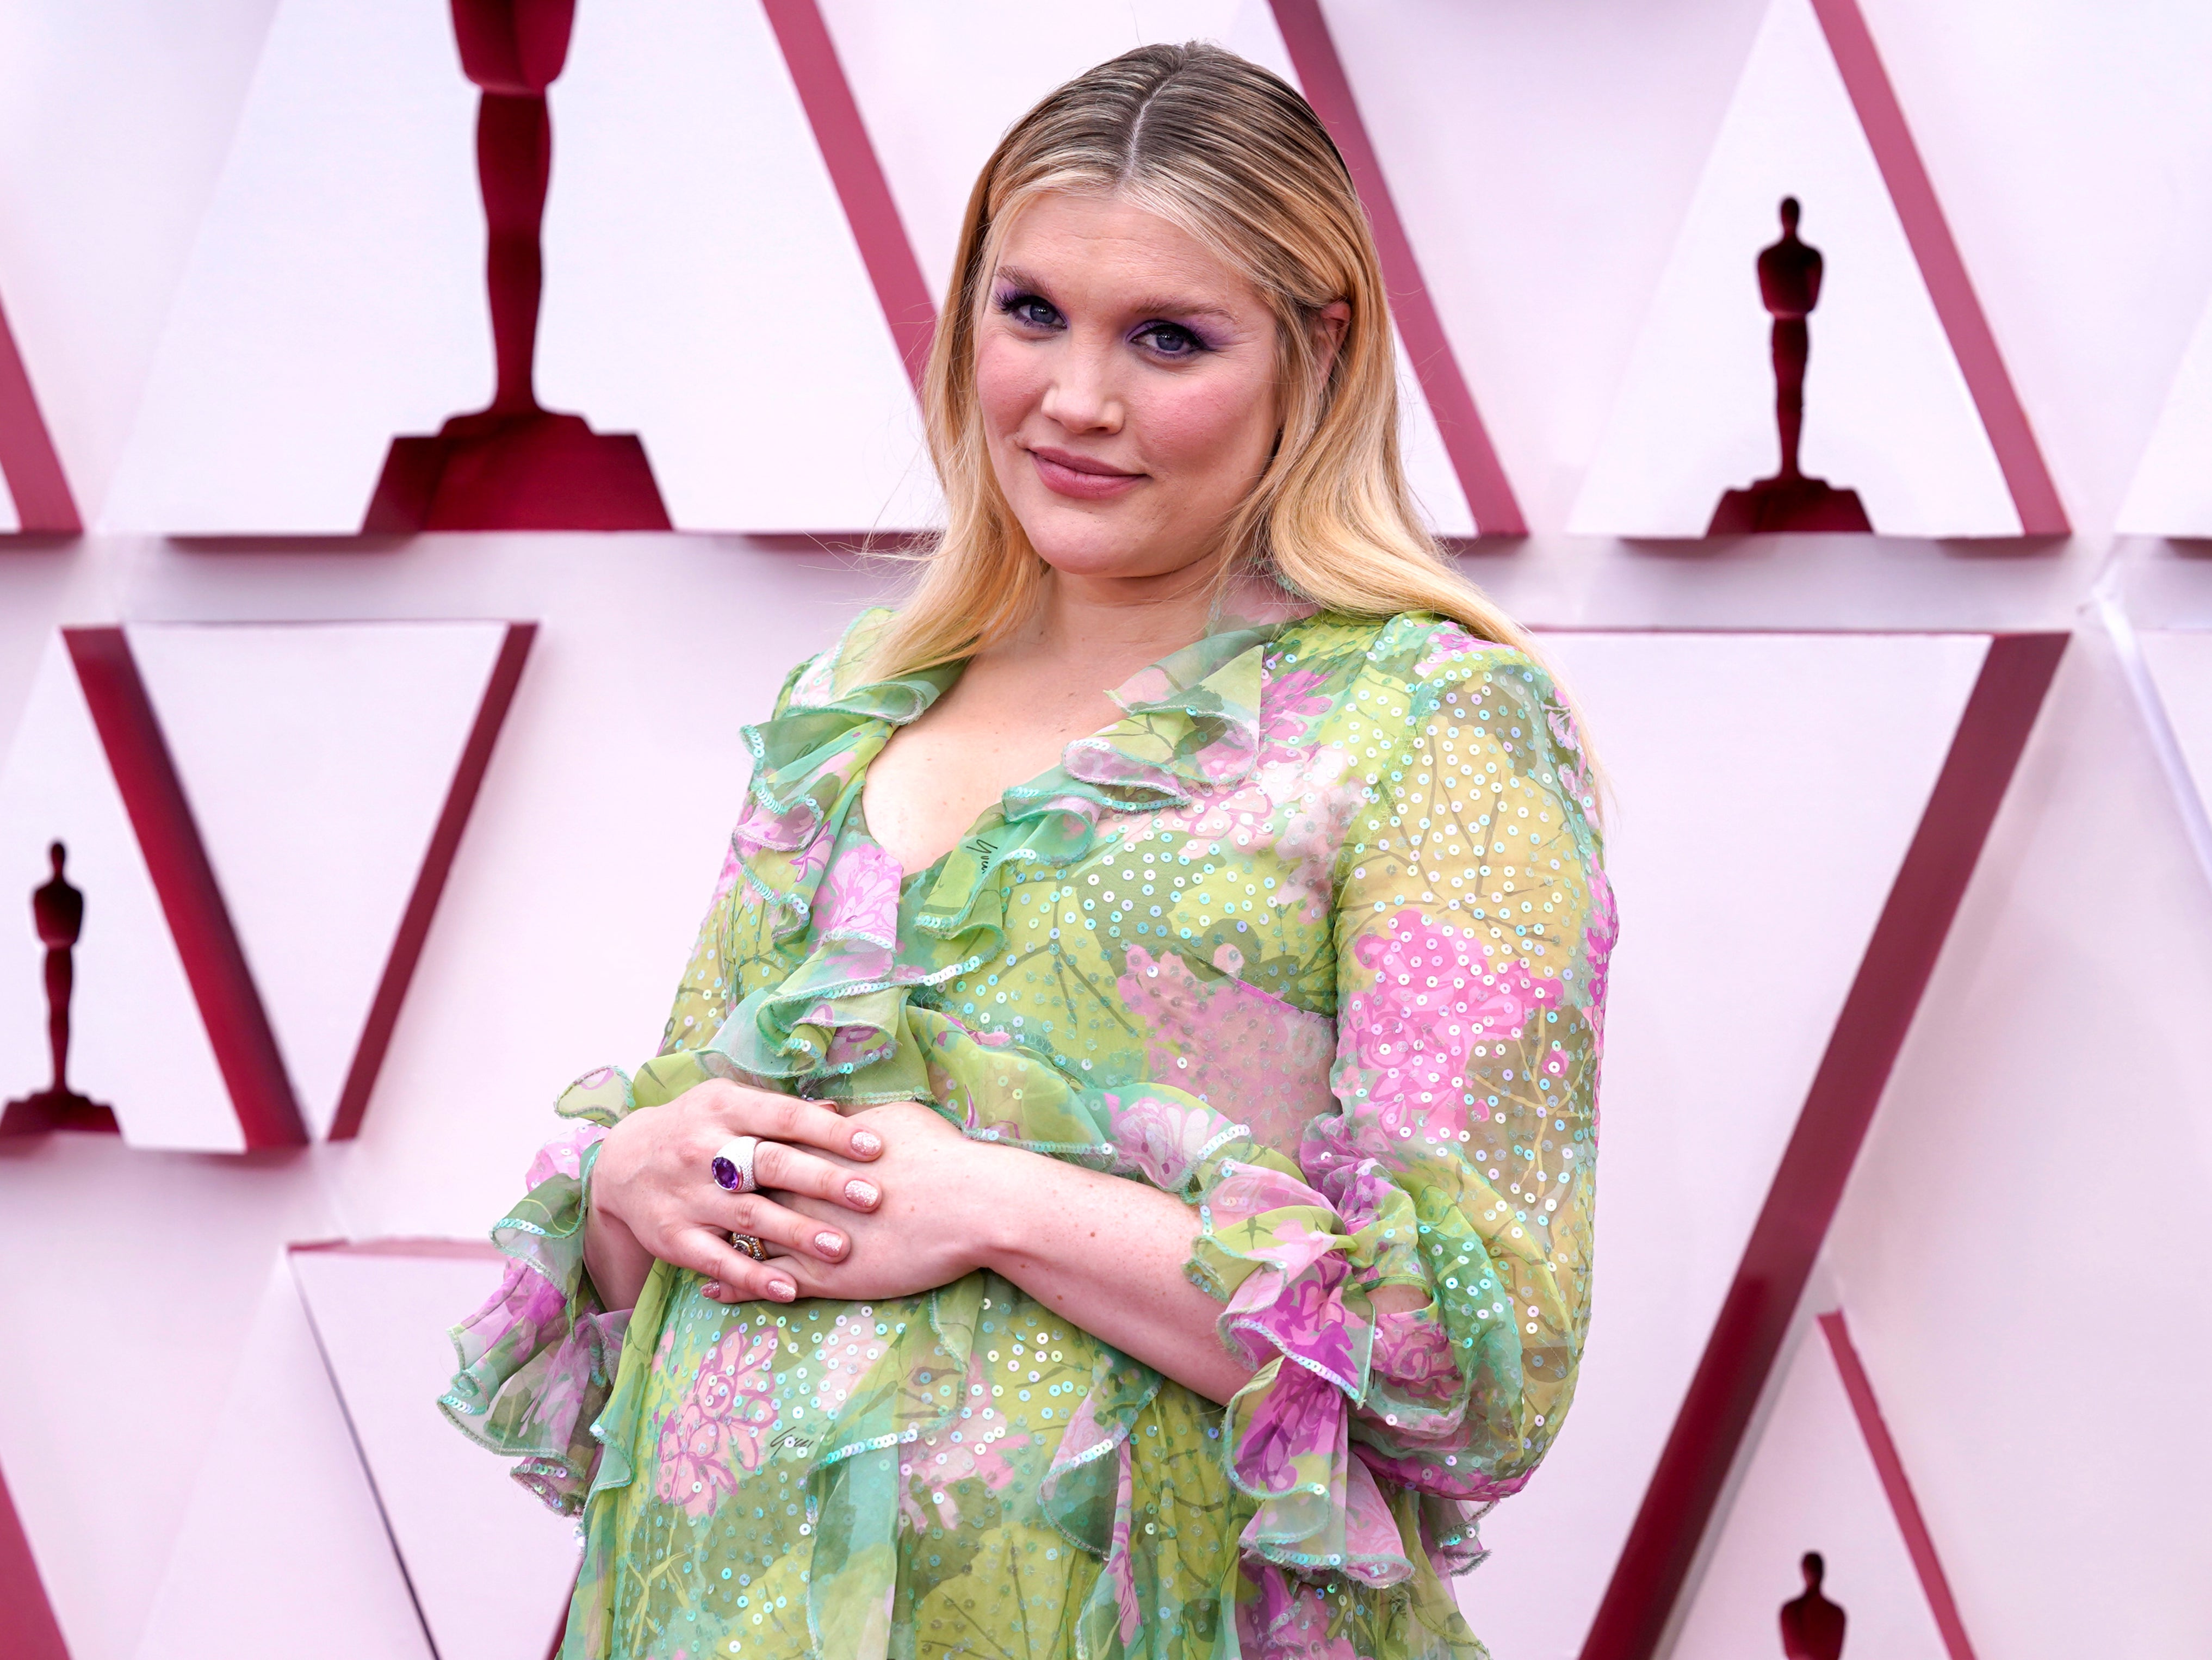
[1157,1125]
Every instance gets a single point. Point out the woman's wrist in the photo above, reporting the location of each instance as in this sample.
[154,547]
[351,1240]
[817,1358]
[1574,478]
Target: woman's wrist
[1009,1187]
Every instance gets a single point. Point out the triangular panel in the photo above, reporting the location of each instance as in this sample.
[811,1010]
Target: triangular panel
[2180,663]
[282,1549]
[136,1042]
[118,120]
[1764,790]
[1810,1484]
[336,293]
[704,290]
[1888,411]
[490,1566]
[2172,494]
[318,759]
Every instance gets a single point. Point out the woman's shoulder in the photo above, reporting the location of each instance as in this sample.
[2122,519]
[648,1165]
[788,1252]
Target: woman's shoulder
[1410,651]
[819,681]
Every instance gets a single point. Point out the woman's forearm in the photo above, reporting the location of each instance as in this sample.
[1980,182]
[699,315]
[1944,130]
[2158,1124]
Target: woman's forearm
[1107,1254]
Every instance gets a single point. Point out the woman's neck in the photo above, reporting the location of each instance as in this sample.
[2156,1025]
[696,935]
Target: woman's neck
[1117,625]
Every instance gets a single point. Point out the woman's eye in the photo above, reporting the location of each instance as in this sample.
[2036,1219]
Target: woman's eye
[1170,340]
[1030,311]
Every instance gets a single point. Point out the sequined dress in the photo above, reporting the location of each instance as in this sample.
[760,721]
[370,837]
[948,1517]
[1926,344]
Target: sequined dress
[1315,938]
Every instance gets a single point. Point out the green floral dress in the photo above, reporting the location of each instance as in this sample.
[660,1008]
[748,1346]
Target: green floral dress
[1315,938]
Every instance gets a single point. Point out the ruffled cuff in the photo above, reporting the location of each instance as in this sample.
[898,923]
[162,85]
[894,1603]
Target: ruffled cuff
[1353,1434]
[538,1360]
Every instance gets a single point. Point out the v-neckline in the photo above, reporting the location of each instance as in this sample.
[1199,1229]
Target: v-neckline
[910,880]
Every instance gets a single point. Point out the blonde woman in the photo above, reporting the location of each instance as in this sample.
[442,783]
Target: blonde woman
[1117,1178]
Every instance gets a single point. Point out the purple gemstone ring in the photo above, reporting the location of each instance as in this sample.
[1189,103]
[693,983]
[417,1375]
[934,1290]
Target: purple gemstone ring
[733,1164]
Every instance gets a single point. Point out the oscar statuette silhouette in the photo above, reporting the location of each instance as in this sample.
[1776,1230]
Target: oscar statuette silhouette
[1789,286]
[1812,1625]
[58,915]
[516,465]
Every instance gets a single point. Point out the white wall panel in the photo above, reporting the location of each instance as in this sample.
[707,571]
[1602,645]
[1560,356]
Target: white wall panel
[335,295]
[2172,494]
[136,1042]
[1809,1484]
[282,1549]
[1542,160]
[1766,788]
[2024,1250]
[2071,148]
[116,117]
[134,1283]
[490,1566]
[317,761]
[703,290]
[1887,410]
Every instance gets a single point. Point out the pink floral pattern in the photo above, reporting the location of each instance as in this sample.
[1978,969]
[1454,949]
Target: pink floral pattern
[1254,1059]
[1332,881]
[1435,996]
[722,1428]
[859,898]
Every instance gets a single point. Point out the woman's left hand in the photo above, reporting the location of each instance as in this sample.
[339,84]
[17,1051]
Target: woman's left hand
[943,1197]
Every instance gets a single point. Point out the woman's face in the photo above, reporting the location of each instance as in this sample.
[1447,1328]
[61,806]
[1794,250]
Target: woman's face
[1127,377]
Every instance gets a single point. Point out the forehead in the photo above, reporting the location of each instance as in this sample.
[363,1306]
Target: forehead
[1102,243]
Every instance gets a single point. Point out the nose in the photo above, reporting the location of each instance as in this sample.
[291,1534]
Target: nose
[1083,396]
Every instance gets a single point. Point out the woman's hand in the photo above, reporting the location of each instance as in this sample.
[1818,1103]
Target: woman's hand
[945,1199]
[654,1192]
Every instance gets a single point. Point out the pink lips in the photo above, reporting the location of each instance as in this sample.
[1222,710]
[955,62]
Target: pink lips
[1066,473]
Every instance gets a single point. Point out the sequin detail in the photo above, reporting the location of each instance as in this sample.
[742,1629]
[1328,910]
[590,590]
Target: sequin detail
[1315,938]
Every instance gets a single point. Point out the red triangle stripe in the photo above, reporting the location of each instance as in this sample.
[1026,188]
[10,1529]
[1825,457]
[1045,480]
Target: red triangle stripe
[842,136]
[28,457]
[161,818]
[430,883]
[1754,1320]
[1481,478]
[2035,498]
[1919,1544]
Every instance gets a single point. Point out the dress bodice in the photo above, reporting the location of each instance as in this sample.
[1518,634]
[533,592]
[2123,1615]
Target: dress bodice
[1314,937]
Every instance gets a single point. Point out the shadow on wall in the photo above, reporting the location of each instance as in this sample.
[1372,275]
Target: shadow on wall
[514,465]
[57,914]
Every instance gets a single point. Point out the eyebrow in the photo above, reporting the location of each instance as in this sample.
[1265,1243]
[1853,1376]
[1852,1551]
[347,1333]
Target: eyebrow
[1151,307]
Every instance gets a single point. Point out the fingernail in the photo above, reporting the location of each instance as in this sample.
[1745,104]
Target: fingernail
[711,1288]
[829,1244]
[867,1143]
[782,1290]
[861,1193]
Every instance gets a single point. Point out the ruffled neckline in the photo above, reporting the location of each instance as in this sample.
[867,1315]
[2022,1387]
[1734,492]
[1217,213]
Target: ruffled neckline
[865,934]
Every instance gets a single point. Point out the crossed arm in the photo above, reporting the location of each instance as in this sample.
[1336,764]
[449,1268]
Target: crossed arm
[892,1201]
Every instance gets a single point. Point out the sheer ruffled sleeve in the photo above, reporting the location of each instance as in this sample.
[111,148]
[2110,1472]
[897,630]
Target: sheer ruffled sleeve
[1415,1293]
[537,1361]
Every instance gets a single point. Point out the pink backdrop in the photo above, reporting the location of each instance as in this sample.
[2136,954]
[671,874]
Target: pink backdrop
[384,838]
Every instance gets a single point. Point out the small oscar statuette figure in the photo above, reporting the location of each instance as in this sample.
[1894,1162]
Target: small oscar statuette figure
[1790,284]
[57,914]
[1812,1625]
[514,465]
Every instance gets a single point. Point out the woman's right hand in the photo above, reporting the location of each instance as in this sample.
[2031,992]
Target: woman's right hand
[654,1192]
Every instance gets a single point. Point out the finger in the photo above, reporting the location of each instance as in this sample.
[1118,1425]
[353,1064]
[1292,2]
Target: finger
[790,1118]
[759,1215]
[788,1170]
[730,1276]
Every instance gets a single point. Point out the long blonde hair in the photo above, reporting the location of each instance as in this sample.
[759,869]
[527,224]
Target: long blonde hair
[1233,155]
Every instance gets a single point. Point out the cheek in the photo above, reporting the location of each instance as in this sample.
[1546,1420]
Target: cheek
[1010,380]
[1207,423]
